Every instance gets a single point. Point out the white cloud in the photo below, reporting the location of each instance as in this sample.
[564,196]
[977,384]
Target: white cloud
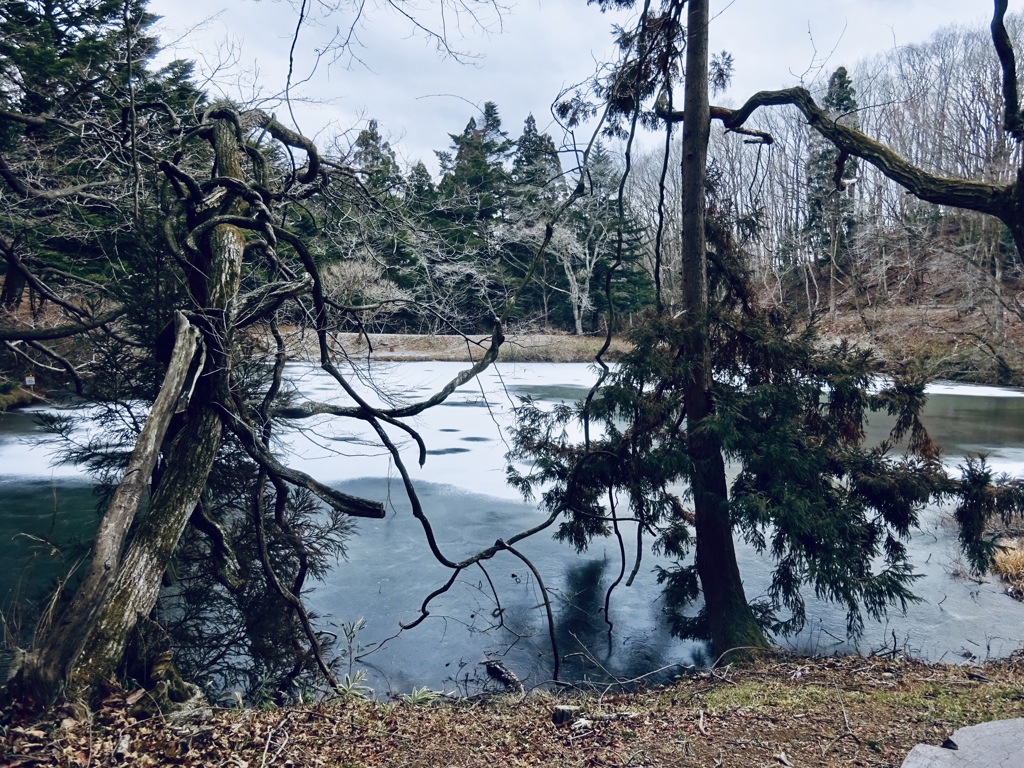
[419,97]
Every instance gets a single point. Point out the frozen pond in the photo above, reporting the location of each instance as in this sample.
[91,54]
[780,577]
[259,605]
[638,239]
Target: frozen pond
[463,490]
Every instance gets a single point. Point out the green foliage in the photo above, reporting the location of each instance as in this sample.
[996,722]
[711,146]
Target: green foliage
[55,57]
[831,511]
[983,497]
[353,686]
[473,173]
[488,211]
[376,160]
[75,67]
[227,621]
[420,697]
[830,219]
[536,170]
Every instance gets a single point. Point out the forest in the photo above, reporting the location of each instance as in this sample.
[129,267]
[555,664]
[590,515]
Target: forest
[778,270]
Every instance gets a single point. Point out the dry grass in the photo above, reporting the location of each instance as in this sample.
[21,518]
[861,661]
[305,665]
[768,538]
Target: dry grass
[536,347]
[785,710]
[946,343]
[1009,564]
[16,398]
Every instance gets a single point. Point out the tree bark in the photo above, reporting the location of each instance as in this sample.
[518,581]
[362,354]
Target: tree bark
[213,284]
[1003,201]
[87,643]
[137,585]
[43,672]
[14,287]
[730,621]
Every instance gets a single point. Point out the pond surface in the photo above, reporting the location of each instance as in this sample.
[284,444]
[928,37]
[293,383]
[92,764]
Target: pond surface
[462,487]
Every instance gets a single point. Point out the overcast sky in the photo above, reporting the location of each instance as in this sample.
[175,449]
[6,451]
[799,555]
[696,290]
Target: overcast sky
[521,59]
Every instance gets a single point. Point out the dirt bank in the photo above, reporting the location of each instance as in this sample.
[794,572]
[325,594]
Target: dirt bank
[944,342]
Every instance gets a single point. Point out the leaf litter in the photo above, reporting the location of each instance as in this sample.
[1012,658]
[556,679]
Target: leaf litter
[782,711]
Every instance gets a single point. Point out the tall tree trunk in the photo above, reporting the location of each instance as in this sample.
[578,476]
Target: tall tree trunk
[14,284]
[731,623]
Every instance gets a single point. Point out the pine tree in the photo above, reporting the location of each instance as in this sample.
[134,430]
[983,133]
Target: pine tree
[728,380]
[536,170]
[376,160]
[473,173]
[469,204]
[830,210]
[419,189]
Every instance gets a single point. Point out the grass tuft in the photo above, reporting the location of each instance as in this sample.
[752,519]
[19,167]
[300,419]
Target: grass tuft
[1009,564]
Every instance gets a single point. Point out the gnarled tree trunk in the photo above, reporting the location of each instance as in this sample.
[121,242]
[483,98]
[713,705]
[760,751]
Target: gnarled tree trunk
[213,284]
[42,672]
[86,644]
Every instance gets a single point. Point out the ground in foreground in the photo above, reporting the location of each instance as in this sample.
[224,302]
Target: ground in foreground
[785,711]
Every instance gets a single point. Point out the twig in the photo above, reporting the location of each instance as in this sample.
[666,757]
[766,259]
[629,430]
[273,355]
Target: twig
[270,736]
[722,677]
[547,602]
[837,739]
[280,749]
[849,730]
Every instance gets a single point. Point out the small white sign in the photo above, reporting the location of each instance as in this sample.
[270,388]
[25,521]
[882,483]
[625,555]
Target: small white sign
[30,381]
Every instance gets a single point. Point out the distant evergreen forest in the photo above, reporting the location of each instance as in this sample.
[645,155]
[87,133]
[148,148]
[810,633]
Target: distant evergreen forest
[413,253]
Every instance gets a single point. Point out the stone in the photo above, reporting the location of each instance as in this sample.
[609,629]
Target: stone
[997,744]
[564,713]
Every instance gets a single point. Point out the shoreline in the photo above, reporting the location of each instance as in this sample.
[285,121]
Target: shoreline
[398,347]
[19,397]
[942,345]
[787,710]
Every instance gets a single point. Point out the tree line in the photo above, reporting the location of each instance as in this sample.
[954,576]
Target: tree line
[487,210]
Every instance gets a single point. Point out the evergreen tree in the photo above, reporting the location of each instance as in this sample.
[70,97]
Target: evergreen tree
[535,189]
[470,202]
[419,190]
[536,170]
[727,380]
[830,210]
[832,511]
[376,160]
[474,177]
[85,121]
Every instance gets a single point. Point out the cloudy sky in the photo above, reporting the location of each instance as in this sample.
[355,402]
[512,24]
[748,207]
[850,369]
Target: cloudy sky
[521,58]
